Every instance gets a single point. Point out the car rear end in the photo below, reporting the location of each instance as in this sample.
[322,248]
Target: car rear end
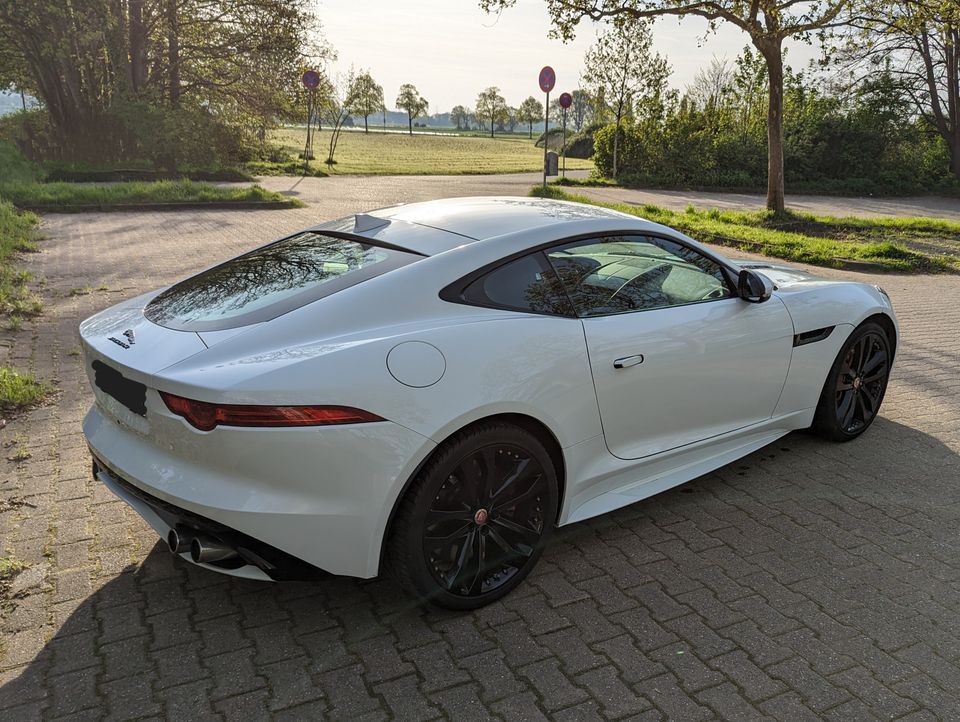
[240,482]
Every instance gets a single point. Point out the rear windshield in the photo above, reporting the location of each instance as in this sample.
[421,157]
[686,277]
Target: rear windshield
[271,281]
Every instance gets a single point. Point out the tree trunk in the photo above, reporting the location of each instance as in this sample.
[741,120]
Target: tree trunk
[365,128]
[491,125]
[773,54]
[173,52]
[410,122]
[138,48]
[531,130]
[616,144]
[952,53]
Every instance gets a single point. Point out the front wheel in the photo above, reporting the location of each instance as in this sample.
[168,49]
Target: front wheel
[475,520]
[856,385]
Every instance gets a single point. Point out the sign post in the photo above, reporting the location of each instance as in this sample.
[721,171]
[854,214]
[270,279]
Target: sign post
[548,78]
[566,100]
[310,80]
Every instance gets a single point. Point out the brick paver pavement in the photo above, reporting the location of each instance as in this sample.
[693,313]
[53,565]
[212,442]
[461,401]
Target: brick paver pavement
[806,581]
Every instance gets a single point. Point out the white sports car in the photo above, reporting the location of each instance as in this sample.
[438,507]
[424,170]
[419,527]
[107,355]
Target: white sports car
[434,387]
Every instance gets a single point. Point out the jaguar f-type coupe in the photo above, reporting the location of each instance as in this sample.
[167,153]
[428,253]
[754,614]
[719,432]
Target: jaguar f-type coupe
[433,388]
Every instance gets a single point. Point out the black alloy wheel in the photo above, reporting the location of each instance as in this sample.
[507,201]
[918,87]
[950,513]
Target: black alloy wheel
[475,521]
[856,386]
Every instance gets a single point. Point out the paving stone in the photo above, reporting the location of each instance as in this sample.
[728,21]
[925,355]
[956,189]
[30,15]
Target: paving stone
[806,581]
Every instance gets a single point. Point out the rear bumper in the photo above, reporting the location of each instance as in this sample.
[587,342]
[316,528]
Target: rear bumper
[302,499]
[255,559]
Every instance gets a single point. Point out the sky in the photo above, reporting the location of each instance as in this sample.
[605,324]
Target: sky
[451,50]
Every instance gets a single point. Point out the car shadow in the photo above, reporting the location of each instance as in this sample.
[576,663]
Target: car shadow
[164,635]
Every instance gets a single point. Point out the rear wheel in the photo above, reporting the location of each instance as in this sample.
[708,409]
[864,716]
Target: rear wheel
[475,520]
[856,385]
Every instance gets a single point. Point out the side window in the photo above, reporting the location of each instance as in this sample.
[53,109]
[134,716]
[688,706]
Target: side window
[619,274]
[526,284]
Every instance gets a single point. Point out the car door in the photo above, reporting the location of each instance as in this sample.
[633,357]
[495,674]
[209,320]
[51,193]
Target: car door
[676,355]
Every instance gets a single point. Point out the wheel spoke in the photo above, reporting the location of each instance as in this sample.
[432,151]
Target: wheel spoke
[476,586]
[875,377]
[439,515]
[865,414]
[507,547]
[490,475]
[453,576]
[520,471]
[864,346]
[871,398]
[516,533]
[845,409]
[460,531]
[880,357]
[844,385]
[520,498]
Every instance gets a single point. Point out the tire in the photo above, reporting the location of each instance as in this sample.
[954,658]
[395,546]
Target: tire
[855,385]
[476,518]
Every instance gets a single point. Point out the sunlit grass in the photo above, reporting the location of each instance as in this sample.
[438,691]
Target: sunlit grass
[806,238]
[402,154]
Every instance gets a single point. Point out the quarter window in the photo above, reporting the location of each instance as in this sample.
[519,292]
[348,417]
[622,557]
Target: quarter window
[620,274]
[526,284]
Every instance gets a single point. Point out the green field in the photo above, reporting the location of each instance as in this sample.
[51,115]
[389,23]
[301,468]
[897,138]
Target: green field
[401,154]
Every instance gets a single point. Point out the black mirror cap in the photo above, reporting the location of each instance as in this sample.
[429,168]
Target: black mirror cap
[754,287]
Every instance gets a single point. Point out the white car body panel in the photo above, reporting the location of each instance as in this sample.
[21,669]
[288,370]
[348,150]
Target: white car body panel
[722,379]
[691,355]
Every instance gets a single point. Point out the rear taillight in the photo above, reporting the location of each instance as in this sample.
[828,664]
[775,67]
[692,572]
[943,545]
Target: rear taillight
[206,416]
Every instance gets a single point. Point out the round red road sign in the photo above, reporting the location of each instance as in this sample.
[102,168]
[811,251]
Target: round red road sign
[310,79]
[566,100]
[548,79]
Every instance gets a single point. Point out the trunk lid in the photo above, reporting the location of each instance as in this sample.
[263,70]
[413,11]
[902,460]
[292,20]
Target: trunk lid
[123,338]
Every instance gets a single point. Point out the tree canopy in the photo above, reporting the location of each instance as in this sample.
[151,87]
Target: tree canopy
[126,74]
[410,100]
[492,106]
[364,97]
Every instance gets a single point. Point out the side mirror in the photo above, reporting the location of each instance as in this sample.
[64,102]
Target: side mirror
[754,287]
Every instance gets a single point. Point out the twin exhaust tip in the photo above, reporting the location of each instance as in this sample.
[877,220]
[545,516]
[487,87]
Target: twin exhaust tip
[202,548]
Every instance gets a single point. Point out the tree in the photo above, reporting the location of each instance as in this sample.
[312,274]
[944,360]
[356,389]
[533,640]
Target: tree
[364,97]
[917,42]
[767,22]
[333,109]
[492,105]
[410,100]
[580,109]
[621,64]
[461,116]
[121,77]
[512,119]
[530,112]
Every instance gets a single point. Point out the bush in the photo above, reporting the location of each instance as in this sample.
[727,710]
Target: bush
[14,168]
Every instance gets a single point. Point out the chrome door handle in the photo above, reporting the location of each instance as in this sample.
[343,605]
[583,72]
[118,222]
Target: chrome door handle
[628,361]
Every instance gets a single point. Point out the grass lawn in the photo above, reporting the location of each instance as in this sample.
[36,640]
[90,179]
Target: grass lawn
[73,196]
[402,154]
[21,183]
[925,245]
[18,233]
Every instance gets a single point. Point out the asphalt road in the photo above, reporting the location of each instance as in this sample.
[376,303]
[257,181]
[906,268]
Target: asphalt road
[367,192]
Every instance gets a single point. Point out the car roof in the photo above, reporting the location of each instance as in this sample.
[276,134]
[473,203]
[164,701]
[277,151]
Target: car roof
[486,217]
[432,227]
